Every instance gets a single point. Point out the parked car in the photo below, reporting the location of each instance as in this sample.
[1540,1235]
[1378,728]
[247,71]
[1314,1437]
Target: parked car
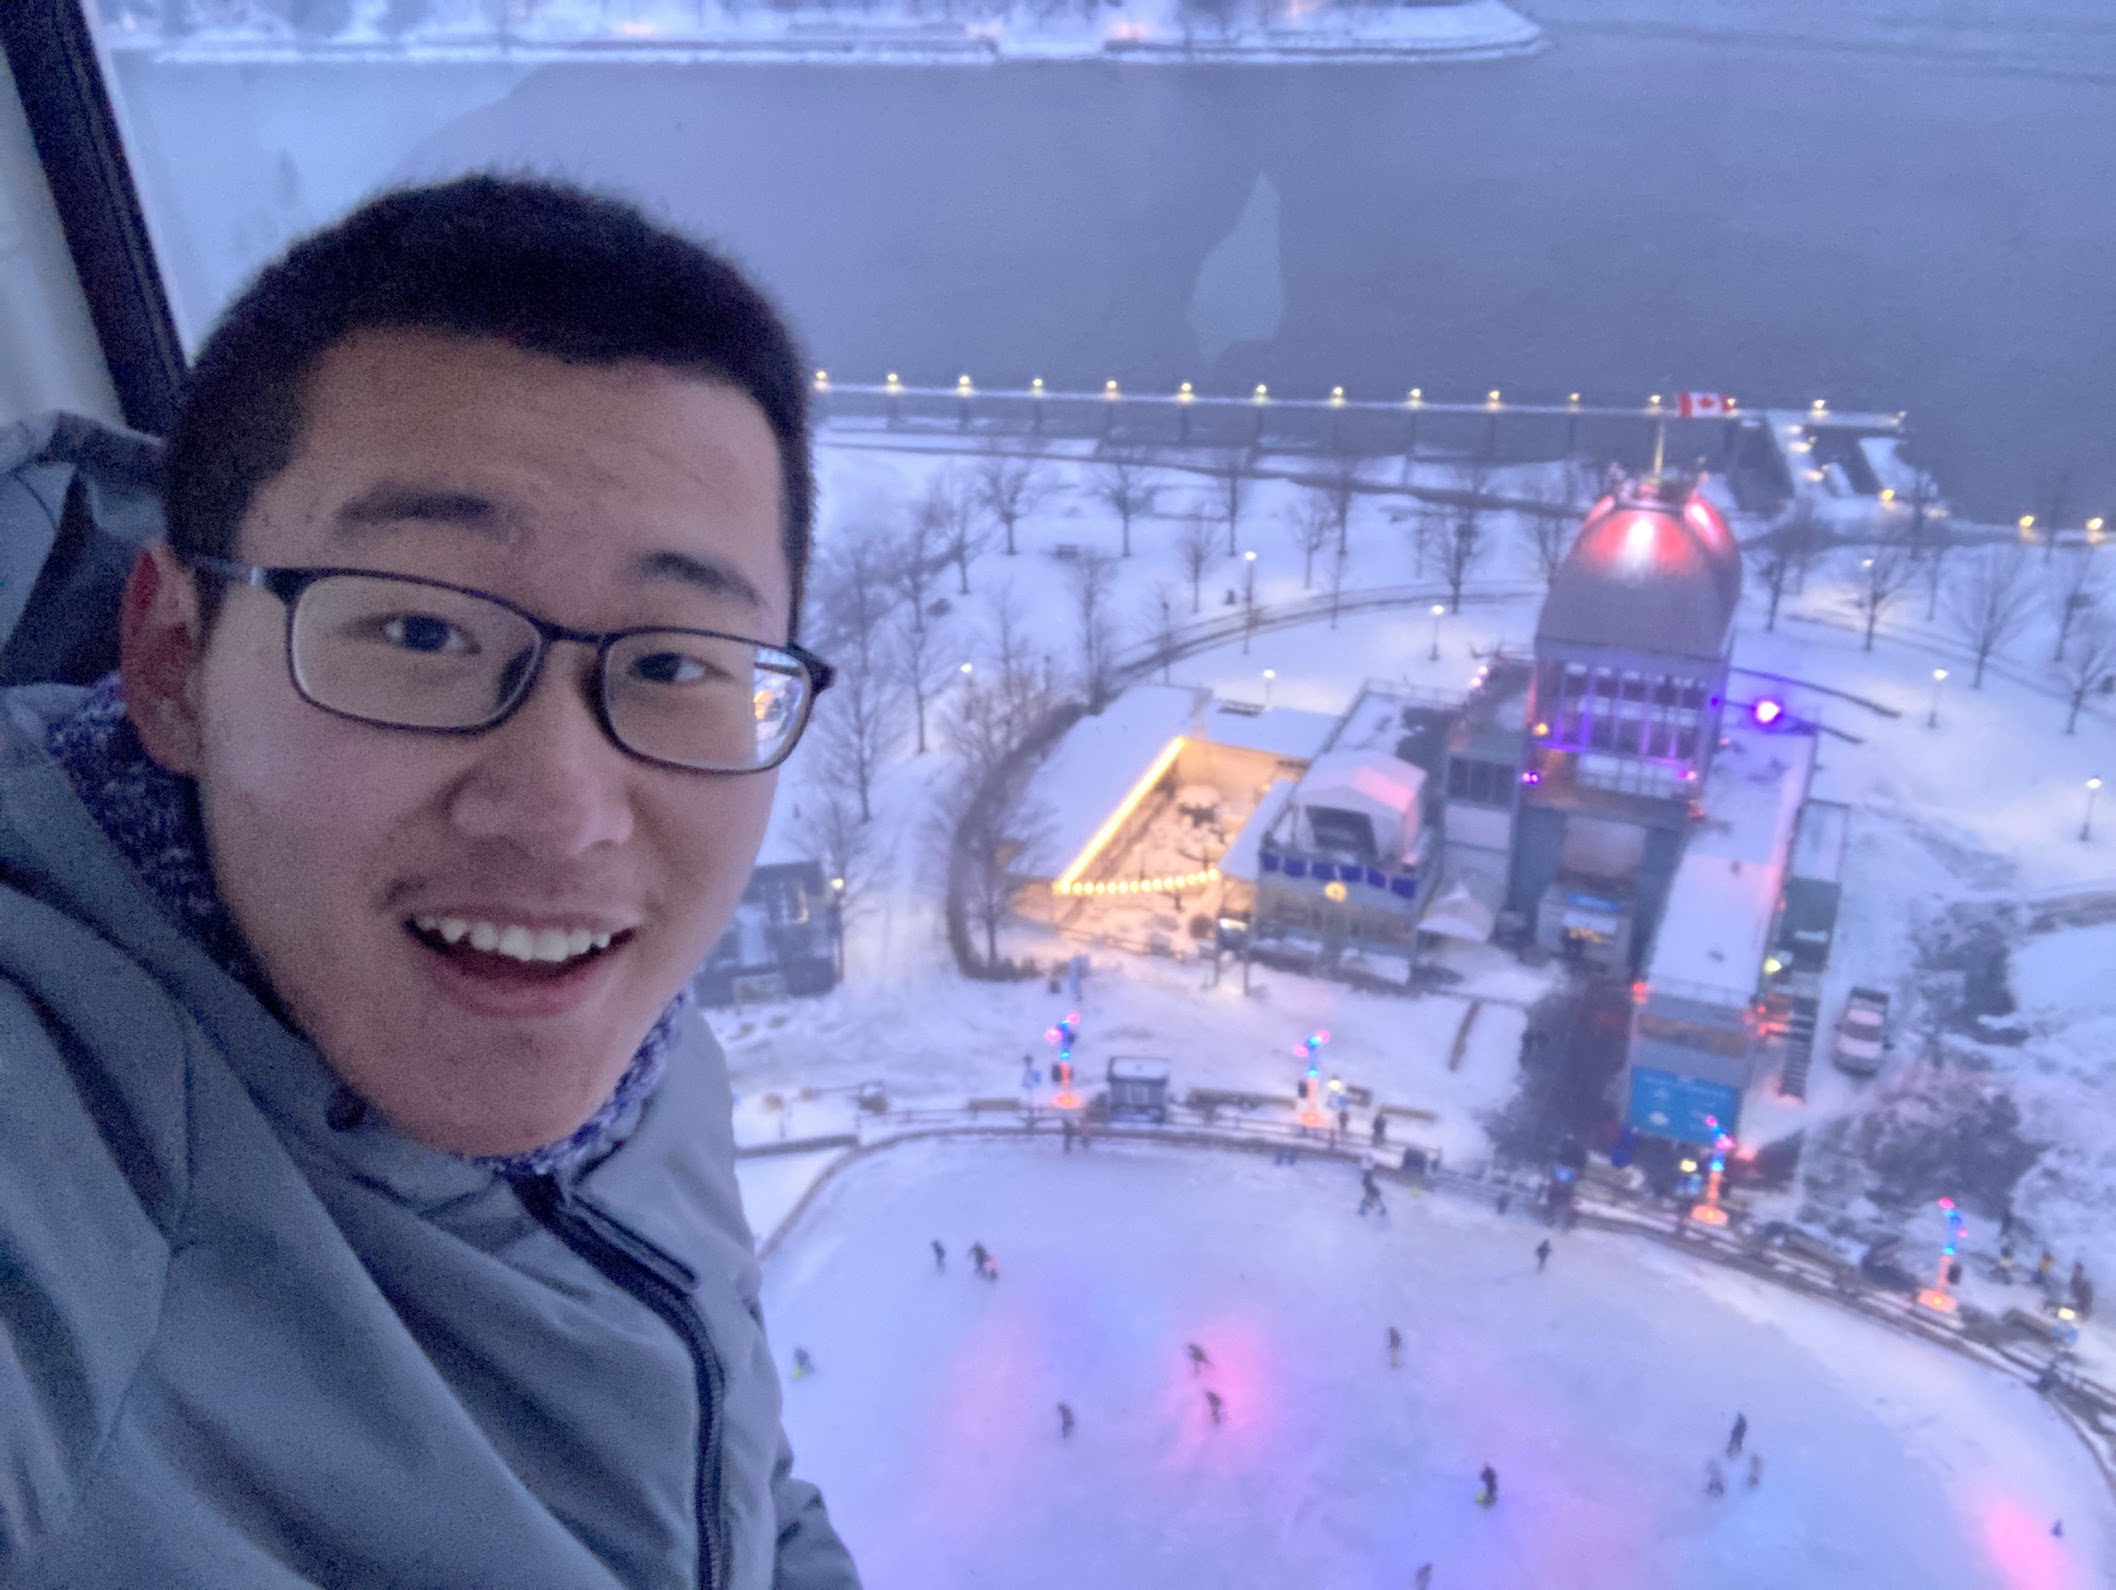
[1862,1033]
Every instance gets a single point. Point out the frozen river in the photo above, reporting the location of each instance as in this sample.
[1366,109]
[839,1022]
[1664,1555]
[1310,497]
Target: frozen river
[1624,214]
[1598,1390]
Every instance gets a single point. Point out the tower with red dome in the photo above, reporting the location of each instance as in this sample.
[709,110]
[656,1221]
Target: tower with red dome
[1629,684]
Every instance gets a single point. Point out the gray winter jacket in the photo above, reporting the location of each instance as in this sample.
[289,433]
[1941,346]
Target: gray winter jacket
[249,1339]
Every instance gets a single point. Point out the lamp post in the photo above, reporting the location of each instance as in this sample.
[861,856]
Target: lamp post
[2086,825]
[1709,1212]
[1248,599]
[1932,718]
[1439,611]
[1269,675]
[1939,1297]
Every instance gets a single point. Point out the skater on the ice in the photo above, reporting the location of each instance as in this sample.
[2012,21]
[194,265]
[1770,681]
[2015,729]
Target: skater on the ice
[940,1255]
[1755,1470]
[1066,1126]
[1065,1421]
[2005,1263]
[1542,1254]
[1715,1478]
[979,1257]
[1737,1435]
[1199,1361]
[1344,1121]
[802,1363]
[2082,1290]
[1395,1347]
[1424,1578]
[2043,1267]
[1488,1479]
[1218,1408]
[1381,1137]
[1370,1194]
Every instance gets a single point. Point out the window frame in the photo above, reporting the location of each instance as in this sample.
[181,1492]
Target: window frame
[51,52]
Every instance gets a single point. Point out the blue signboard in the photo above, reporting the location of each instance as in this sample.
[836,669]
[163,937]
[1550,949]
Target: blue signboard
[1666,1105]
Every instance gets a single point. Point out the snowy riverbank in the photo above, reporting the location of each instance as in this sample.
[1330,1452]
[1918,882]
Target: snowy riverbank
[898,34]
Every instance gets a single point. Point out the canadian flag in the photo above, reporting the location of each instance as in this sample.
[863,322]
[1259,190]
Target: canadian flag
[1704,405]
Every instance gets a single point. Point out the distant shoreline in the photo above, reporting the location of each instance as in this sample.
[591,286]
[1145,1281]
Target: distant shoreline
[1471,30]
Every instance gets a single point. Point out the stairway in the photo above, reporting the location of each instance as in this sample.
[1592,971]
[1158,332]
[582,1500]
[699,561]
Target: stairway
[1803,998]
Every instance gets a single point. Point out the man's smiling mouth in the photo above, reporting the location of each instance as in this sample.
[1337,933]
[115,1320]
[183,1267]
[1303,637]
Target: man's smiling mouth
[497,948]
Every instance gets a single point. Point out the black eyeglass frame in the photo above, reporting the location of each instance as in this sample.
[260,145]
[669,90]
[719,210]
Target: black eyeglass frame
[288,584]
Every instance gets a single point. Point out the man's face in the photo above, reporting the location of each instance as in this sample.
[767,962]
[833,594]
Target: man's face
[613,496]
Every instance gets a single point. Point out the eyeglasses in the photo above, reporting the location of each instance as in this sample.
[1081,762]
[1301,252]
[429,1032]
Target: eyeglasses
[406,653]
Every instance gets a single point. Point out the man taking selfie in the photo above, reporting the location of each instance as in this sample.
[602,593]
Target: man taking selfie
[367,1206]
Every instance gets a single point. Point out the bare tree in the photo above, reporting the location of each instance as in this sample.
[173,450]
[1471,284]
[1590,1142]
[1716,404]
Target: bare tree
[1197,547]
[1310,522]
[1547,523]
[858,721]
[998,834]
[949,509]
[1231,487]
[1124,485]
[1341,489]
[1094,578]
[2087,663]
[1935,542]
[2075,586]
[1990,603]
[914,569]
[1466,535]
[1781,555]
[830,832]
[1011,489]
[1919,502]
[1882,573]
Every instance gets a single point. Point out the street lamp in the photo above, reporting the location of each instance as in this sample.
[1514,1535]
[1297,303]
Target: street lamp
[1932,718]
[1439,611]
[1248,599]
[1939,1297]
[2086,826]
[1269,675]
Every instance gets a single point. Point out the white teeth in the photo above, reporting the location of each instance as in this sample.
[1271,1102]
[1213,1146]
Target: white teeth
[552,945]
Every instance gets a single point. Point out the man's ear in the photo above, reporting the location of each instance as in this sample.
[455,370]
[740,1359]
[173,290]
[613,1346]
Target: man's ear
[161,645]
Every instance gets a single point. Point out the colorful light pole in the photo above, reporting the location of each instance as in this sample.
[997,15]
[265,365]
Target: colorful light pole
[1939,1297]
[1063,1034]
[1311,1110]
[1709,1213]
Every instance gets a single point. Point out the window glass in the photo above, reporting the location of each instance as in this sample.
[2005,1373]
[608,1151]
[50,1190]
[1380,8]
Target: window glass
[1696,413]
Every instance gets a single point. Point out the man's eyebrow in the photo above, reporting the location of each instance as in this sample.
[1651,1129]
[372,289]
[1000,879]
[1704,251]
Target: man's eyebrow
[706,574]
[405,502]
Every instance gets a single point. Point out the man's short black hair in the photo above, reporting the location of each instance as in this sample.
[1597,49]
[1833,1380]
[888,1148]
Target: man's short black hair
[550,268]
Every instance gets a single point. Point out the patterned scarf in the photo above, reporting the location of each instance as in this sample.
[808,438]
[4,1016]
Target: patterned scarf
[151,815]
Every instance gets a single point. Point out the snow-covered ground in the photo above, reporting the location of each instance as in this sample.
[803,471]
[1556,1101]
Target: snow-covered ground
[1598,1390]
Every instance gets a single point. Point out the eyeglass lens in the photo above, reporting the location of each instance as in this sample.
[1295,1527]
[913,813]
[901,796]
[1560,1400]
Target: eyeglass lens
[409,655]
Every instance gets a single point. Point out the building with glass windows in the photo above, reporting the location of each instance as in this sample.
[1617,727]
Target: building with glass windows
[1625,706]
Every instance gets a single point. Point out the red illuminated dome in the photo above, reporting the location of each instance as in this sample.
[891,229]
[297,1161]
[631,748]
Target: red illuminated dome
[1647,574]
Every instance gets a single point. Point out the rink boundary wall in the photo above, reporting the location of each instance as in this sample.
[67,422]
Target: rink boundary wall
[2086,1407]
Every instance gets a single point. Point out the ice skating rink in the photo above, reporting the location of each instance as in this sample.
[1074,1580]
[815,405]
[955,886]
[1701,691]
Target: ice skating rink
[1598,1390]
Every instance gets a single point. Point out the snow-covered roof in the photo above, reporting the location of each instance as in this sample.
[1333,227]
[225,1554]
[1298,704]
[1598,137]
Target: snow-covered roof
[1287,732]
[1459,914]
[1382,788]
[1717,926]
[1240,860]
[1818,847]
[1095,765]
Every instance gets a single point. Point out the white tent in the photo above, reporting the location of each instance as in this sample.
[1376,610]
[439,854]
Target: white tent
[1372,784]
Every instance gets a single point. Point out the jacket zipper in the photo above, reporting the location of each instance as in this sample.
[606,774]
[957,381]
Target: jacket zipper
[664,1284]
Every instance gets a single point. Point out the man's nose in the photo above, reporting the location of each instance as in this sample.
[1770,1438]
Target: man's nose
[549,780]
